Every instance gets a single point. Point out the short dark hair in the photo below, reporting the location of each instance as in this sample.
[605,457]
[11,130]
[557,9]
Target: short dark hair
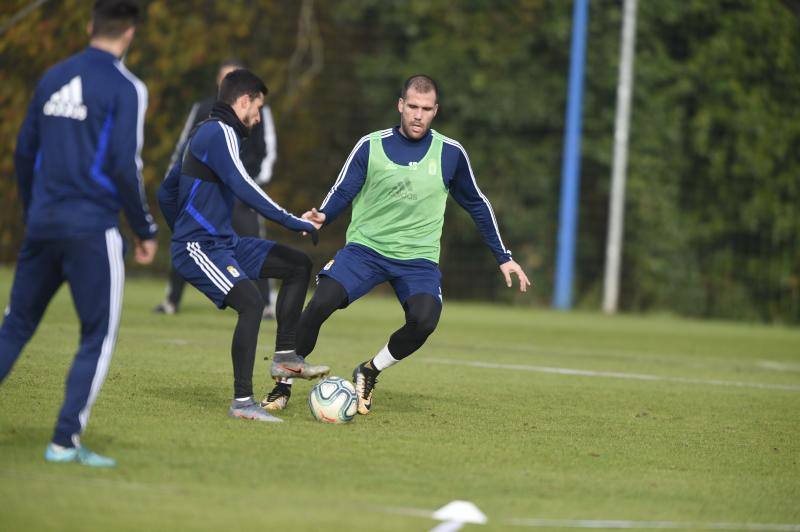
[238,83]
[112,18]
[420,83]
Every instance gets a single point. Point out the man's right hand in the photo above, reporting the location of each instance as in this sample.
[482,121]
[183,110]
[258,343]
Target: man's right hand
[145,251]
[315,217]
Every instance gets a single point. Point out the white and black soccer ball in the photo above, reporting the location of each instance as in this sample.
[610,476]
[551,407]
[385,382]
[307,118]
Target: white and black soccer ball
[333,400]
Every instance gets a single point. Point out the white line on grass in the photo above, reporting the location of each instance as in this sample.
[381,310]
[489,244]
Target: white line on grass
[615,524]
[671,525]
[693,360]
[175,341]
[779,366]
[611,374]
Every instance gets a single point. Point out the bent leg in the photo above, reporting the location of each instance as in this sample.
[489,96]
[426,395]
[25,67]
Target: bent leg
[422,316]
[329,296]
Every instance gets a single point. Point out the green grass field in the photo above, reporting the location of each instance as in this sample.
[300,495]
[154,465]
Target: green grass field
[652,425]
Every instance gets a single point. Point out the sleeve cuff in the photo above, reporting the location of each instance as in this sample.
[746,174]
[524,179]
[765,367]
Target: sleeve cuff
[503,258]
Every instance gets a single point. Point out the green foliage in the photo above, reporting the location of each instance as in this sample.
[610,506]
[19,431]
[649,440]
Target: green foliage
[720,116]
[712,222]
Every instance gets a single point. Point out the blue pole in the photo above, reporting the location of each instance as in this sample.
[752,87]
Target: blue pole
[571,163]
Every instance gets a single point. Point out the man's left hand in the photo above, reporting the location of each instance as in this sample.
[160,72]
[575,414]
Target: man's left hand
[512,267]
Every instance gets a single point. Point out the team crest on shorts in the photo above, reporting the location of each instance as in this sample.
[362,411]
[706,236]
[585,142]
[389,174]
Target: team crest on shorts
[233,271]
[328,266]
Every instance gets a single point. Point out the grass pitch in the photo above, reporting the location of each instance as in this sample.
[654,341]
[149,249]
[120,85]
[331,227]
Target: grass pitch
[530,414]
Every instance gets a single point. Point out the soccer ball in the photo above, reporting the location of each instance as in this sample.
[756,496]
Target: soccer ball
[333,400]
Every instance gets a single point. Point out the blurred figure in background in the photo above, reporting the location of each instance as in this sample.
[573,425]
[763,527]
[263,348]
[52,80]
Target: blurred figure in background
[258,153]
[78,161]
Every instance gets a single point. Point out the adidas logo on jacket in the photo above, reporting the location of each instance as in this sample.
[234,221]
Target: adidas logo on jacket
[67,102]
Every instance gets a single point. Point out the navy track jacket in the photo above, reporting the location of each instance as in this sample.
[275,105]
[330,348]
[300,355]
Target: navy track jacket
[200,210]
[457,174]
[78,155]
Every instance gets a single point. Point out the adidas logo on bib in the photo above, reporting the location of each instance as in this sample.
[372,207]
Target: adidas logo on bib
[68,101]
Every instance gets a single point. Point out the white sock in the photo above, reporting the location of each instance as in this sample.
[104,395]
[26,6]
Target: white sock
[287,380]
[243,399]
[383,359]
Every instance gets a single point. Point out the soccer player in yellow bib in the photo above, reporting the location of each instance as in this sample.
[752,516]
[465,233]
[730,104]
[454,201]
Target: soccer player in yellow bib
[397,181]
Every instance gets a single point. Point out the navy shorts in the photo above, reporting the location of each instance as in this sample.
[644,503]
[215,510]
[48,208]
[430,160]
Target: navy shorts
[359,269]
[213,267]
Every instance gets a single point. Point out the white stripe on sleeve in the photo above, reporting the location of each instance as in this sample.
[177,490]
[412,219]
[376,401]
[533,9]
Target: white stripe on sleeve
[233,150]
[475,184]
[343,172]
[141,109]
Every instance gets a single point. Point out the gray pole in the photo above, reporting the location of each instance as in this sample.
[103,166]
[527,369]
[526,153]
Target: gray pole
[621,128]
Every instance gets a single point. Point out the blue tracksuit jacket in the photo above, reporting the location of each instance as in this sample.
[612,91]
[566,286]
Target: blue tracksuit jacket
[199,210]
[76,159]
[457,174]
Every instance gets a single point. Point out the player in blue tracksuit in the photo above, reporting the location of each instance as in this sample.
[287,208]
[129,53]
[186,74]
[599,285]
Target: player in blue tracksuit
[258,153]
[78,162]
[197,198]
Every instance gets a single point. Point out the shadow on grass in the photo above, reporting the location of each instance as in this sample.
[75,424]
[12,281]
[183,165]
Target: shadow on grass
[404,401]
[192,394]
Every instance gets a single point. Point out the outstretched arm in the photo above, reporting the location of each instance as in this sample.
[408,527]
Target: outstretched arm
[223,159]
[465,191]
[349,182]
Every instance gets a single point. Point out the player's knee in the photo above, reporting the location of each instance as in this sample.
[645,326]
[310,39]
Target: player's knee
[425,325]
[245,298]
[329,296]
[254,305]
[257,303]
[423,314]
[319,308]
